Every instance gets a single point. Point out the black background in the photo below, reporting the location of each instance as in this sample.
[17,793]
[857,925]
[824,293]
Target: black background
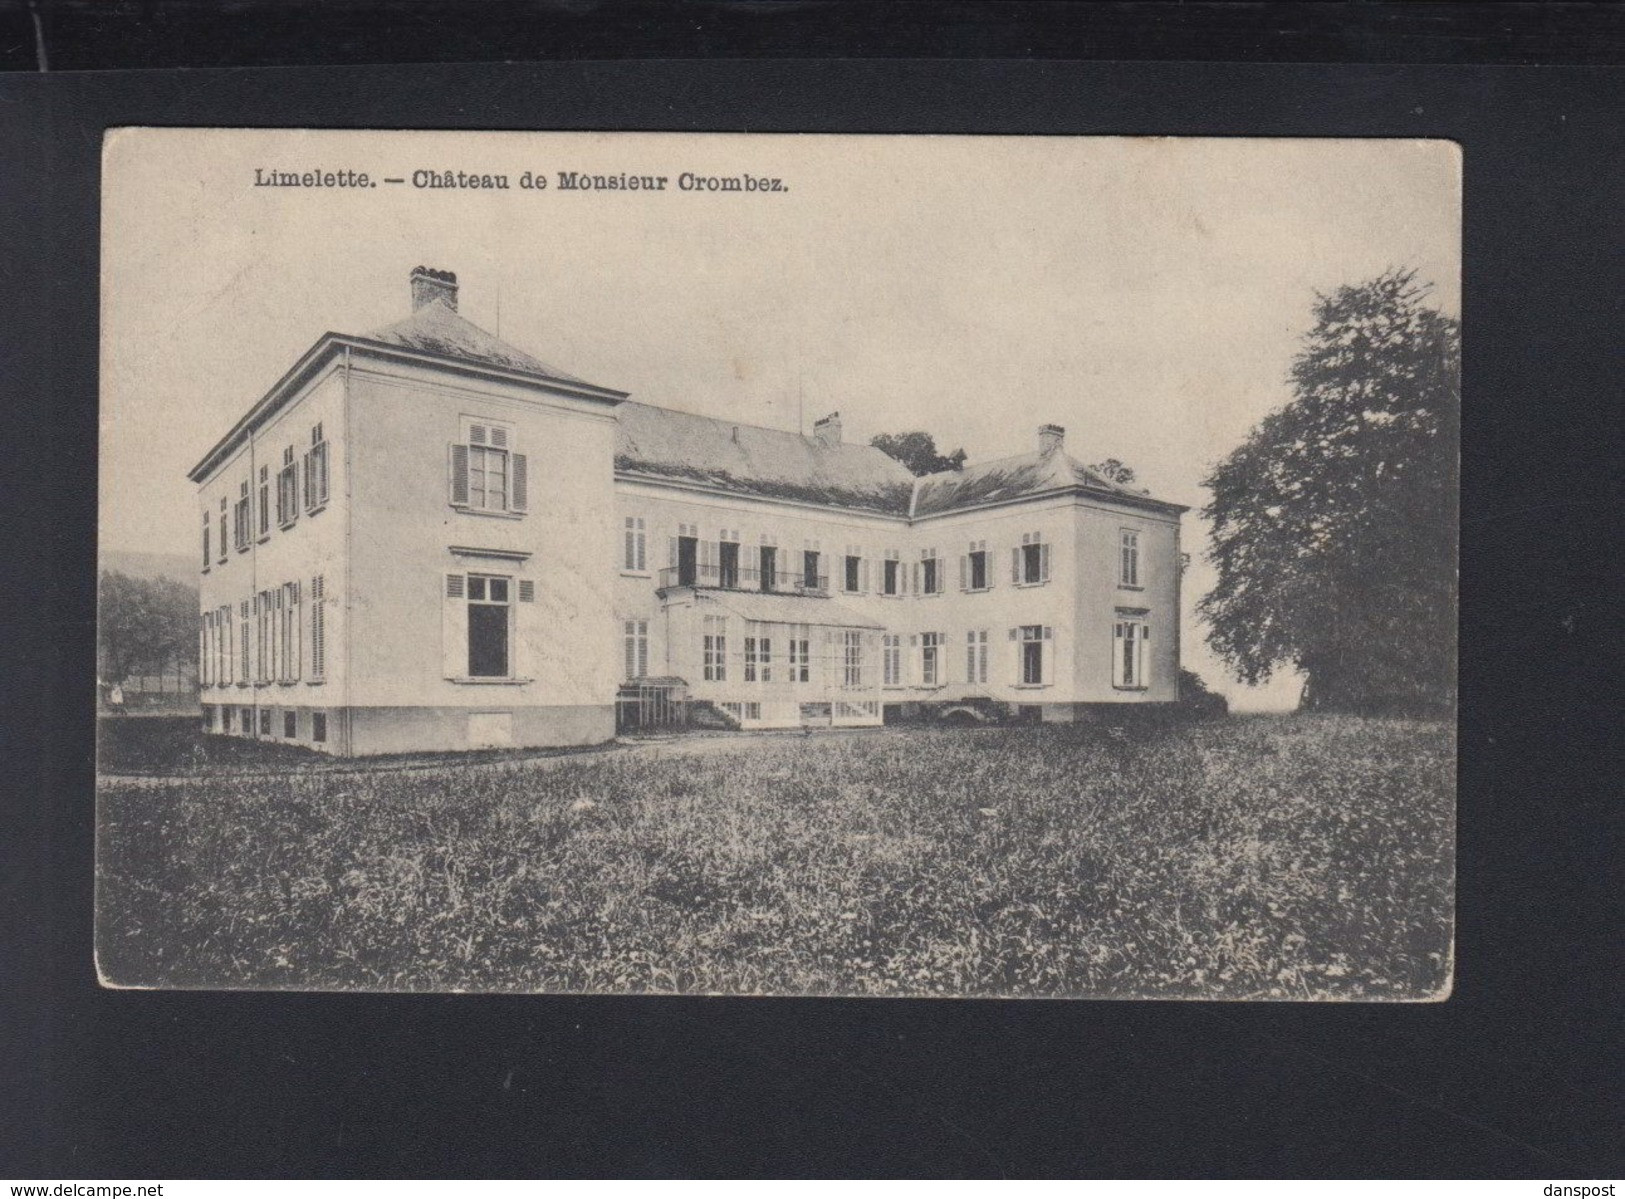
[1517,1075]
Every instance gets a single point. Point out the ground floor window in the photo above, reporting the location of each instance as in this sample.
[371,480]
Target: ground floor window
[318,726]
[248,720]
[758,658]
[891,658]
[852,658]
[930,658]
[976,656]
[635,634]
[265,722]
[1033,669]
[1129,665]
[487,627]
[290,724]
[714,649]
[800,656]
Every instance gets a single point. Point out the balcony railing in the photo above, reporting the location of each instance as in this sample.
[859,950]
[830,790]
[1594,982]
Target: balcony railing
[777,582]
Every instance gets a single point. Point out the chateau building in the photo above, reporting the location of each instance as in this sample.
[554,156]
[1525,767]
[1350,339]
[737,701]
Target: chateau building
[425,538]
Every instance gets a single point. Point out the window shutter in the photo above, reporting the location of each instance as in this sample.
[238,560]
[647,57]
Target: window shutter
[1047,664]
[1015,655]
[318,629]
[321,473]
[459,474]
[1117,654]
[453,628]
[964,572]
[520,489]
[915,586]
[863,576]
[525,618]
[1015,564]
[296,627]
[476,434]
[1043,562]
[310,479]
[1142,675]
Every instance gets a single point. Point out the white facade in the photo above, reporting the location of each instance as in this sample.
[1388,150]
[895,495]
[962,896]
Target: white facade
[493,548]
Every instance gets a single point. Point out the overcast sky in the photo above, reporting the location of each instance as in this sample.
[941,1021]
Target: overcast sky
[1147,294]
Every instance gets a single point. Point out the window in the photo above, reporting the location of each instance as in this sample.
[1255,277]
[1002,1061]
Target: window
[758,656]
[287,489]
[486,474]
[715,647]
[318,629]
[242,518]
[224,504]
[633,555]
[853,575]
[262,637]
[1129,654]
[208,545]
[247,720]
[852,658]
[891,660]
[811,580]
[635,635]
[1129,559]
[891,578]
[769,566]
[242,636]
[478,620]
[290,724]
[800,655]
[976,656]
[316,471]
[728,559]
[1030,560]
[264,500]
[930,573]
[973,568]
[265,722]
[290,634]
[930,659]
[1032,663]
[685,554]
[318,727]
[225,719]
[488,627]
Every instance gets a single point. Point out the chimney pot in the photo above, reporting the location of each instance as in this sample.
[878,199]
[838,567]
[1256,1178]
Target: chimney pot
[827,432]
[429,285]
[1050,438]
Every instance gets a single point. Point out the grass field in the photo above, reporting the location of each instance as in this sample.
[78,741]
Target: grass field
[1288,857]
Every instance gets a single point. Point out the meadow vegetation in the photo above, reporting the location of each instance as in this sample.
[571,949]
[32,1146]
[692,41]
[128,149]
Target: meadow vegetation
[1272,856]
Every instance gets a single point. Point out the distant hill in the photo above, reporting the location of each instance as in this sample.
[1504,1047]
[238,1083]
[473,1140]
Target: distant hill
[151,566]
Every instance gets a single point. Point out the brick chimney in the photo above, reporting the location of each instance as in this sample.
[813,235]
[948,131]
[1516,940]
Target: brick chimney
[827,432]
[1050,438]
[429,285]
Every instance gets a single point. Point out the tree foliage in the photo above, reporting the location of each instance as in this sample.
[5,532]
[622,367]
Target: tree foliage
[144,624]
[1114,470]
[918,452]
[1334,524]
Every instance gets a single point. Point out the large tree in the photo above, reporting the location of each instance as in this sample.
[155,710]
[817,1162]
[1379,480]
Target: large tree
[918,452]
[144,625]
[1334,524]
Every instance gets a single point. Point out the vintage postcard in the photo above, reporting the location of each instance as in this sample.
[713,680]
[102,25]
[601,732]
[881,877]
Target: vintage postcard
[778,564]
